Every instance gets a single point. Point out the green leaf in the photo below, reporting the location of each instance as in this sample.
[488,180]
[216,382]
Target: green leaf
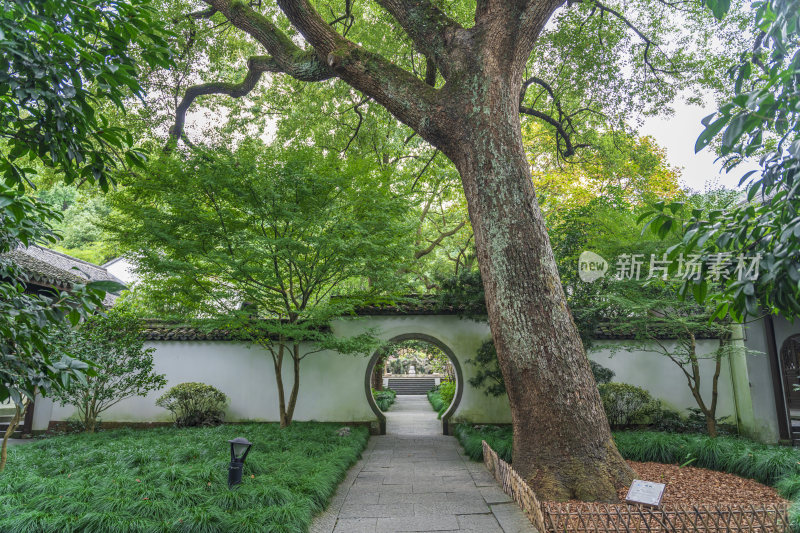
[710,132]
[106,286]
[700,291]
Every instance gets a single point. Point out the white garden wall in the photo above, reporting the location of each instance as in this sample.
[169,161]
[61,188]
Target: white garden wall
[663,378]
[332,385]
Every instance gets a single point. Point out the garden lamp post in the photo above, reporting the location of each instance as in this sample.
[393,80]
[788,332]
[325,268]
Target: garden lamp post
[239,450]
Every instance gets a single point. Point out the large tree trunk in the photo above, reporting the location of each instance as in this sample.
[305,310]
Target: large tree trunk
[562,441]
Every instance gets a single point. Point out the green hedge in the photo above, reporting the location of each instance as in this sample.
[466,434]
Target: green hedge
[384,398]
[437,402]
[778,466]
[498,437]
[447,391]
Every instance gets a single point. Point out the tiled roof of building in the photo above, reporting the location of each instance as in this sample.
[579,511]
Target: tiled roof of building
[49,268]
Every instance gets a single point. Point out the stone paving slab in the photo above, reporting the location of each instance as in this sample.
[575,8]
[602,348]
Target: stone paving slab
[414,479]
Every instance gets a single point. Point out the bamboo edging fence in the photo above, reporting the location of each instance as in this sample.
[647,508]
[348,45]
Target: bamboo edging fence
[515,487]
[613,518]
[562,517]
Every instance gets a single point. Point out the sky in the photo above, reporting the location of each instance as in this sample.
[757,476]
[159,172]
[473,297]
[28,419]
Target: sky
[677,134]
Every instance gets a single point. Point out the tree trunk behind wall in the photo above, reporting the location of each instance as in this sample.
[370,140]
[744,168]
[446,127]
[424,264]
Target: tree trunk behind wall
[12,426]
[377,374]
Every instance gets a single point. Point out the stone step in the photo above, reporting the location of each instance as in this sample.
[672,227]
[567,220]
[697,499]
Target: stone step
[408,386]
[17,432]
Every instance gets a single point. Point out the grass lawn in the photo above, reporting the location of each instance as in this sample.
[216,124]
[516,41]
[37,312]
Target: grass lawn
[169,479]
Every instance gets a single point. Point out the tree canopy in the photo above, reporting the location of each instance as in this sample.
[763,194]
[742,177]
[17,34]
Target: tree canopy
[62,61]
[760,120]
[272,243]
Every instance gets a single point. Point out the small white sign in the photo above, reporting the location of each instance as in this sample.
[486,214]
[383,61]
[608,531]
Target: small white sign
[645,492]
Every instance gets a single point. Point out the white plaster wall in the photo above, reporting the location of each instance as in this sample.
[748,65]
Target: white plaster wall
[762,388]
[332,385]
[761,385]
[124,270]
[663,378]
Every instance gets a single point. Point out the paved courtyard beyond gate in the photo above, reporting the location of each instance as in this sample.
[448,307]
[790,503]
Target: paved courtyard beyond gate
[416,479]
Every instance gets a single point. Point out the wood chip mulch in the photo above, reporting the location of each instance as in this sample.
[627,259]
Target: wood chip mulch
[695,499]
[690,485]
[699,486]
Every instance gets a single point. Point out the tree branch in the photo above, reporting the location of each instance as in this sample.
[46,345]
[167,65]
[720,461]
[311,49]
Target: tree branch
[430,72]
[408,98]
[436,242]
[293,60]
[648,43]
[520,22]
[404,95]
[256,66]
[561,133]
[432,38]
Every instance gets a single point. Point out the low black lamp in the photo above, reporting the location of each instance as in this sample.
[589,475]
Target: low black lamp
[240,447]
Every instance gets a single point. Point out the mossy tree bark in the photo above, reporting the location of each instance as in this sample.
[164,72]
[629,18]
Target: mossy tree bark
[562,440]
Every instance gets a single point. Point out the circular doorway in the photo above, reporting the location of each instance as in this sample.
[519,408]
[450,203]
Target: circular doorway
[419,368]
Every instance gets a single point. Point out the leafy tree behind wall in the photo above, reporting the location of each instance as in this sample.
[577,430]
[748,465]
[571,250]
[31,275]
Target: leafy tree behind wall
[122,366]
[61,61]
[663,325]
[79,227]
[262,239]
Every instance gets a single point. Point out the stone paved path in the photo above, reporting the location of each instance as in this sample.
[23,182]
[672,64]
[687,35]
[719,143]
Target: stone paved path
[416,479]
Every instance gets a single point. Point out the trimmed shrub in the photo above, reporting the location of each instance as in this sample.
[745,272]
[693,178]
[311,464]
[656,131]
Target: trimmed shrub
[194,404]
[627,404]
[447,390]
[436,402]
[498,437]
[384,398]
[674,422]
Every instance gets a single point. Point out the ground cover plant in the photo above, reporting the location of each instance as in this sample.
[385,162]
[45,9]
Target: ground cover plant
[168,479]
[384,398]
[438,401]
[777,466]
